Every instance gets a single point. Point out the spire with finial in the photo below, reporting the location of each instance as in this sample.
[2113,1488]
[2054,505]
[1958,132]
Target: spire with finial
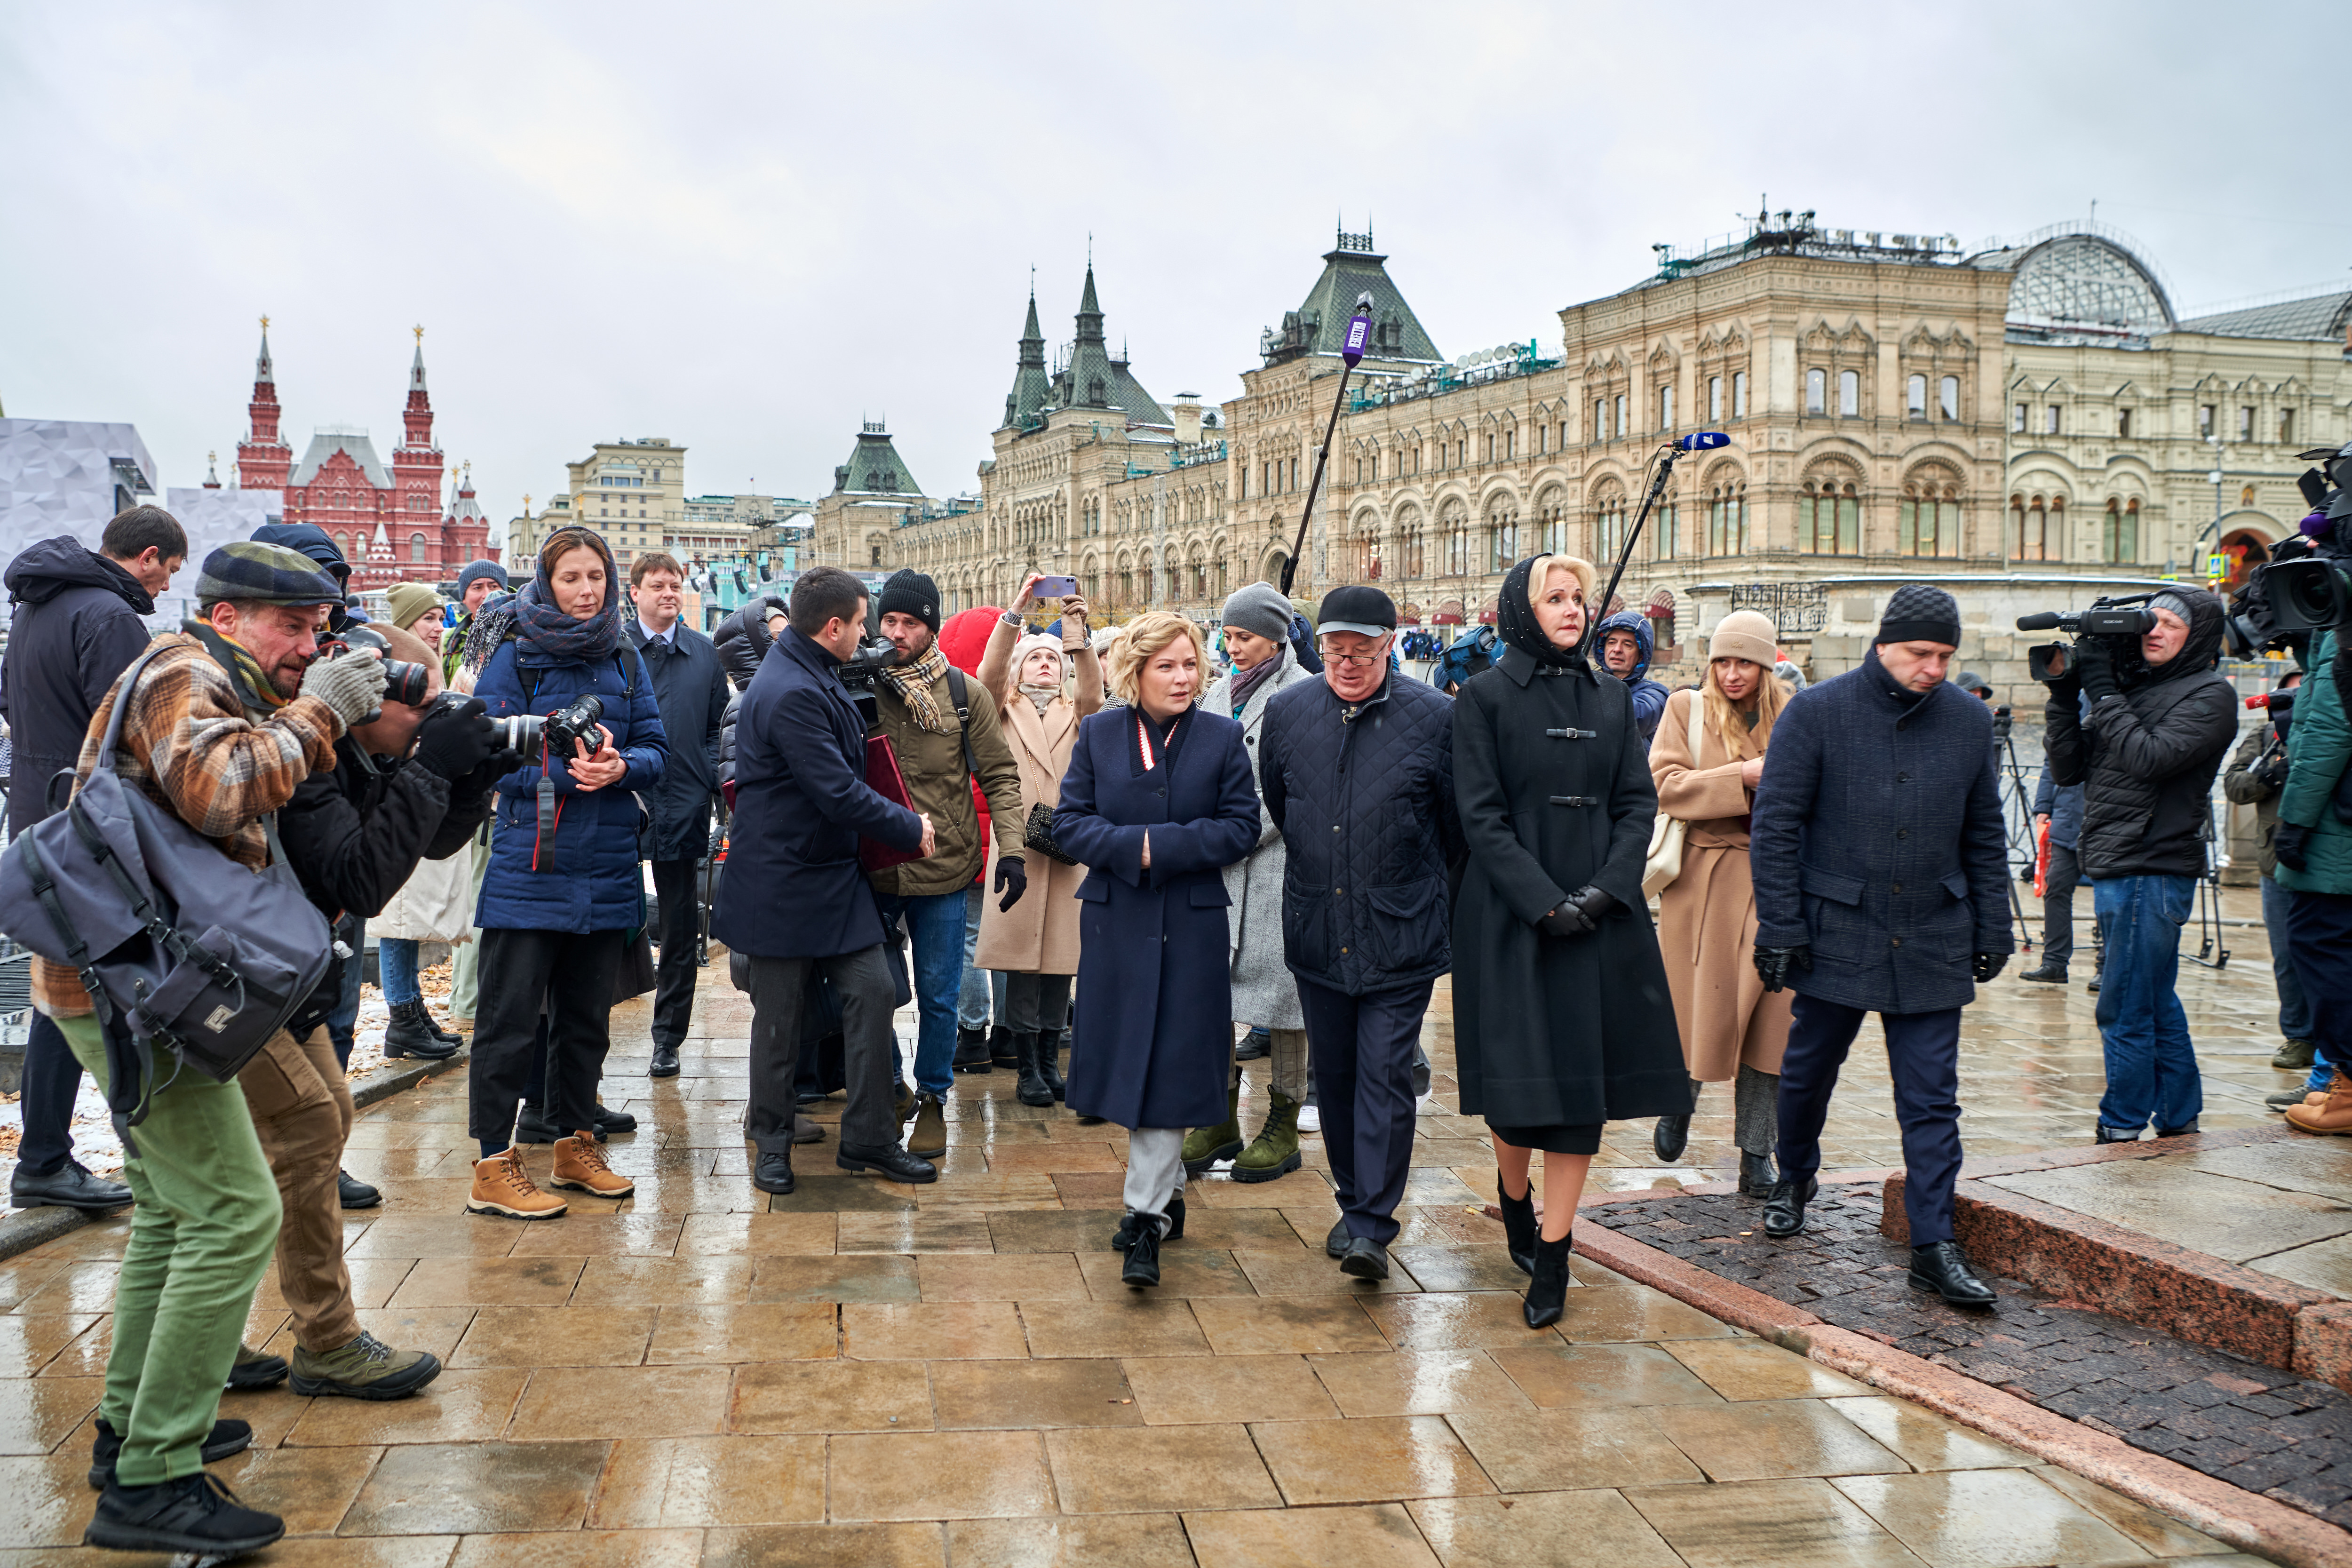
[212,472]
[261,369]
[417,365]
[1029,382]
[263,459]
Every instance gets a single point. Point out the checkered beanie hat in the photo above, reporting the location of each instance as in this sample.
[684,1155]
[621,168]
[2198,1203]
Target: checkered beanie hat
[245,572]
[1918,613]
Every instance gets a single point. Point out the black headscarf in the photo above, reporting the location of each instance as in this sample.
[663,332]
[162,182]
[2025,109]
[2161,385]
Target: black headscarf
[1515,618]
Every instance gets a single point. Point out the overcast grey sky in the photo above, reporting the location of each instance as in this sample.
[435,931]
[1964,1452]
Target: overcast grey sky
[744,227]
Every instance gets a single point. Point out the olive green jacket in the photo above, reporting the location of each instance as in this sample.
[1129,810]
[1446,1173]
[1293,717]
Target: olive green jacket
[932,766]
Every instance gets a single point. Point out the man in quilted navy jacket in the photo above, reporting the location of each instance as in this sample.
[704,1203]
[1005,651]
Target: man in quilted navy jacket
[1357,772]
[1882,887]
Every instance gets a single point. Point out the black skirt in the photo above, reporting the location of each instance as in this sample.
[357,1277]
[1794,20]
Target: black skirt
[1556,1139]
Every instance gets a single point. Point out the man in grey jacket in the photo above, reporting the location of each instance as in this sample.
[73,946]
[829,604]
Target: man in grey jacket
[1881,873]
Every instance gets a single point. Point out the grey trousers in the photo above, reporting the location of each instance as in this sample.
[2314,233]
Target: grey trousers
[1754,1110]
[1036,1004]
[1155,1170]
[1288,1062]
[778,990]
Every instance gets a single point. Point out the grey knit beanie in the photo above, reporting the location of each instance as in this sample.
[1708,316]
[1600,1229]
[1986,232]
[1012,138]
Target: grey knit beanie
[1260,607]
[1918,613]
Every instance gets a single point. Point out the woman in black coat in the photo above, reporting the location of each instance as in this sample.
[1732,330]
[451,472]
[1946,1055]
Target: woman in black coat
[1561,1015]
[1158,801]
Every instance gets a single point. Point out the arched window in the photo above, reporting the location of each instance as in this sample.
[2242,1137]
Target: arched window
[1726,519]
[1849,394]
[420,503]
[1502,534]
[417,547]
[1829,516]
[1552,523]
[2119,533]
[1931,521]
[1453,526]
[1609,522]
[1947,399]
[1666,528]
[1411,542]
[1817,392]
[1915,396]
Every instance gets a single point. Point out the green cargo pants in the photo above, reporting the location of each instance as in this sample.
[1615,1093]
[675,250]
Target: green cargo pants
[201,1235]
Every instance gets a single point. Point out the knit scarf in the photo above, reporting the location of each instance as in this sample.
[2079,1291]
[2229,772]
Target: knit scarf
[914,685]
[550,636]
[1247,681]
[252,681]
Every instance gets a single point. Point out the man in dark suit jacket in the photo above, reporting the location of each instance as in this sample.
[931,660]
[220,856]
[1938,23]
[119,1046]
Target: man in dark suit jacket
[794,898]
[1881,886]
[691,688]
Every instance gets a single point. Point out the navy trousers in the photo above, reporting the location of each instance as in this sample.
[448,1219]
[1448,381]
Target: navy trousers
[2319,933]
[1362,1051]
[1922,1053]
[52,1079]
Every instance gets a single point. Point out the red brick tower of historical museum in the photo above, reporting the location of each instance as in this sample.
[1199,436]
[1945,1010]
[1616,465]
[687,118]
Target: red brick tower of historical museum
[263,459]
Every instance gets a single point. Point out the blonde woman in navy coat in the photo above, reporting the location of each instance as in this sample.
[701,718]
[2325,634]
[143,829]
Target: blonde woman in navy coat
[1156,802]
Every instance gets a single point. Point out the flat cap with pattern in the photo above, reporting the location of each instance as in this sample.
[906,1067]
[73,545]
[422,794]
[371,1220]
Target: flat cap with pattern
[246,571]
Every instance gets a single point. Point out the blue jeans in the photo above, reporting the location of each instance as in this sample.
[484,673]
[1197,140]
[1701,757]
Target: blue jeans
[935,933]
[972,998]
[395,961]
[2294,1012]
[346,1016]
[2152,1066]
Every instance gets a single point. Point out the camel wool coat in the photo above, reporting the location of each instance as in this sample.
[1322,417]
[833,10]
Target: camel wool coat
[1706,916]
[1039,935]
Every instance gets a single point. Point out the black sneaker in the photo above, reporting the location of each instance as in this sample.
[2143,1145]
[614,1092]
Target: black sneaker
[226,1438]
[255,1369]
[196,1513]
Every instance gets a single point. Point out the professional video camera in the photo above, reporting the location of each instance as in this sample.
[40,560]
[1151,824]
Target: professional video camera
[2128,618]
[858,672]
[403,682]
[2306,584]
[2004,723]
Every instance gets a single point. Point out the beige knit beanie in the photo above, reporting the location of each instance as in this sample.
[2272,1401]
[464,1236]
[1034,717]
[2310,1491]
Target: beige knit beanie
[1745,634]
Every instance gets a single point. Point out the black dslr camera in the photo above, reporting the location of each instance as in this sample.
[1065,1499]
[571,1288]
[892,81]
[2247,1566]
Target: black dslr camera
[2128,618]
[527,737]
[403,683]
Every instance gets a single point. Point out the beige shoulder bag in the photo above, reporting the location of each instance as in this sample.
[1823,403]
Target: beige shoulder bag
[1666,835]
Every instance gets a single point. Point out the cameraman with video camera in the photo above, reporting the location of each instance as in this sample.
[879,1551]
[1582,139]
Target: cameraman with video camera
[2145,749]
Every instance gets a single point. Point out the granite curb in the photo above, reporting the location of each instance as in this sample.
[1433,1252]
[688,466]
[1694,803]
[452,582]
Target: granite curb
[2242,1518]
[21,1230]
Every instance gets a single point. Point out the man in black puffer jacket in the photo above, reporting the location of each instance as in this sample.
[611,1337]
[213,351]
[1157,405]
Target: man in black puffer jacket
[1357,772]
[2146,753]
[743,639]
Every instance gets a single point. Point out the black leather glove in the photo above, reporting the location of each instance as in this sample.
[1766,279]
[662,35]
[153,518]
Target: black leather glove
[2269,770]
[1012,881]
[1774,962]
[2096,659]
[1985,966]
[2292,844]
[455,741]
[1565,921]
[1597,905]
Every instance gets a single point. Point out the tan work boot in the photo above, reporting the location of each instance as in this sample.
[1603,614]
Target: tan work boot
[2333,1114]
[580,1163]
[502,1187]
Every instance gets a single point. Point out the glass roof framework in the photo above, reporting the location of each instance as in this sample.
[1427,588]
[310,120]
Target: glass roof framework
[2082,288]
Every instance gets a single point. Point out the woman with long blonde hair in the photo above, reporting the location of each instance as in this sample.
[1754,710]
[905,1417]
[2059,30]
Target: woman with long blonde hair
[1706,759]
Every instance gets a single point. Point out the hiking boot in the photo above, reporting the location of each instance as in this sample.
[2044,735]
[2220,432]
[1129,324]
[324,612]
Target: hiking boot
[2333,1114]
[1000,1047]
[254,1369]
[928,1136]
[366,1368]
[1049,1064]
[70,1186]
[226,1437]
[971,1051]
[196,1514]
[2049,973]
[2294,1056]
[1204,1146]
[579,1164]
[502,1187]
[410,1034]
[1033,1088]
[1274,1151]
[1256,1043]
[351,1192]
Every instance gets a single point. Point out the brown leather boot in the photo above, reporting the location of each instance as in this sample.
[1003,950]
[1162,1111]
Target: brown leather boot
[580,1163]
[2333,1114]
[502,1187]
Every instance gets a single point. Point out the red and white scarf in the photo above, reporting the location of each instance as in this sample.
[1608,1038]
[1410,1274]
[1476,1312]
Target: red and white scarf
[1143,739]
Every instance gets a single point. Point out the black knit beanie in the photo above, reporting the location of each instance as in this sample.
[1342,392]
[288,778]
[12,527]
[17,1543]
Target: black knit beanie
[909,592]
[1918,613]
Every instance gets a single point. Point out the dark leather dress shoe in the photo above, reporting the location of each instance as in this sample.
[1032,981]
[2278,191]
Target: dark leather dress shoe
[1124,1236]
[610,1121]
[2049,973]
[1336,1243]
[773,1173]
[533,1126]
[893,1163]
[1944,1268]
[664,1062]
[1366,1259]
[69,1186]
[353,1194]
[1784,1211]
[805,1129]
[1671,1137]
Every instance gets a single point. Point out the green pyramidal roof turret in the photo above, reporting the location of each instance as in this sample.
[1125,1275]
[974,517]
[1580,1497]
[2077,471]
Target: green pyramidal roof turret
[1320,326]
[874,467]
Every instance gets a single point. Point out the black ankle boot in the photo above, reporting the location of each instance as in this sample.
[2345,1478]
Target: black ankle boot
[1756,1176]
[447,1038]
[1049,1063]
[1032,1089]
[1000,1049]
[1518,1224]
[410,1034]
[971,1051]
[1142,1250]
[1548,1287]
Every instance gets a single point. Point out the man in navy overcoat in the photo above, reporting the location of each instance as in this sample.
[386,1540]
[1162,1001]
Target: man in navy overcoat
[1881,887]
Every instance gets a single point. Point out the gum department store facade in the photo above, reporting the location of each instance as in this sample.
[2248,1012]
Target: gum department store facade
[2031,420]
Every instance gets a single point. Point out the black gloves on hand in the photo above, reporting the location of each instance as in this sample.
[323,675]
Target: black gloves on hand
[1597,905]
[1012,873]
[2096,659]
[1565,921]
[1985,966]
[2269,770]
[2292,844]
[1774,962]
[455,741]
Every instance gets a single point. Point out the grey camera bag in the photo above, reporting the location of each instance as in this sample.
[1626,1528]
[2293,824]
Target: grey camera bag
[180,946]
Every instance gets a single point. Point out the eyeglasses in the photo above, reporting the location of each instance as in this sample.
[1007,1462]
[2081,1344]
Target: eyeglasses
[1355,660]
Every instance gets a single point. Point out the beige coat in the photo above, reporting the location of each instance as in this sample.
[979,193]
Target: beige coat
[1039,935]
[1706,916]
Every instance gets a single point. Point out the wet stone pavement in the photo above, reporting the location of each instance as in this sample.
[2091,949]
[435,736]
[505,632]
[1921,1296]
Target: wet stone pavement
[870,1373]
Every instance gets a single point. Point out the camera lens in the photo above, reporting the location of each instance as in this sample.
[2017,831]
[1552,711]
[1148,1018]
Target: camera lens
[407,683]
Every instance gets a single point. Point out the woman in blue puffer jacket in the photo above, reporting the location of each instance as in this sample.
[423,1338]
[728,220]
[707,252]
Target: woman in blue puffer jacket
[563,888]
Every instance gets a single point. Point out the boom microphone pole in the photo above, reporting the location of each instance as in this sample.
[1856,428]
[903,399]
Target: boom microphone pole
[1359,331]
[1697,441]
